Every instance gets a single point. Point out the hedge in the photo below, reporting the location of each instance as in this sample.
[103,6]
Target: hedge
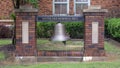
[113,28]
[76,29]
[5,32]
[73,29]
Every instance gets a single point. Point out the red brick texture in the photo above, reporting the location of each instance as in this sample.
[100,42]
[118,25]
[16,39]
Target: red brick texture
[46,7]
[30,48]
[60,53]
[6,7]
[6,22]
[113,6]
[89,48]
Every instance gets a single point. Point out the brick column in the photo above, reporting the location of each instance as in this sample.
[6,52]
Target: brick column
[94,33]
[25,32]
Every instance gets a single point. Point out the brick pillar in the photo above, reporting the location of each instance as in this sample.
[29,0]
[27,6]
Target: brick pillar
[94,32]
[25,32]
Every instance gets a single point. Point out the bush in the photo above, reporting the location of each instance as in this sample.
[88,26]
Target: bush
[73,29]
[5,32]
[45,30]
[107,34]
[113,28]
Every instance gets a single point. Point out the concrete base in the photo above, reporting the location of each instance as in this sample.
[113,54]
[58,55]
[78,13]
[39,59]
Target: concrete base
[90,58]
[26,60]
[58,59]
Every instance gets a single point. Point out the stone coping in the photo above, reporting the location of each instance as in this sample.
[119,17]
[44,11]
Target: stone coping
[95,10]
[94,58]
[7,20]
[26,10]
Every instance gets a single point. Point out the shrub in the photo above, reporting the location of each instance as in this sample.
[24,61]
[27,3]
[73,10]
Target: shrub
[5,32]
[73,29]
[107,34]
[113,27]
[45,30]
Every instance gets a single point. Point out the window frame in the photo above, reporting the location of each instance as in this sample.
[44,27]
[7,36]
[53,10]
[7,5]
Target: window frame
[88,2]
[67,3]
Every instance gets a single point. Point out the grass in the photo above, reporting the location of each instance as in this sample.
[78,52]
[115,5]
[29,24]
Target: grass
[110,48]
[71,65]
[50,45]
[2,56]
[5,42]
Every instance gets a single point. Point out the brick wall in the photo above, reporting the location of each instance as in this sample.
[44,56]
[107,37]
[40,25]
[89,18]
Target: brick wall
[6,7]
[45,7]
[112,6]
[6,22]
[26,49]
[60,53]
[94,49]
[106,3]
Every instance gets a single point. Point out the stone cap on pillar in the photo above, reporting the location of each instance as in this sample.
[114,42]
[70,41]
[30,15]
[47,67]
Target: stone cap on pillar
[95,8]
[26,9]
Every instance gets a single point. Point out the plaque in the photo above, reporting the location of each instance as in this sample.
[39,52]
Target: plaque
[25,32]
[95,32]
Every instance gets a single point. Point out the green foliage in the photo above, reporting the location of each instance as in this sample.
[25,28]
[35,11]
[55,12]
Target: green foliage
[113,27]
[13,16]
[73,29]
[107,34]
[45,30]
[33,2]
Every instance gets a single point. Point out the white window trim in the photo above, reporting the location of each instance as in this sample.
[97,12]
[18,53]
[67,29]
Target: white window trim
[61,3]
[79,3]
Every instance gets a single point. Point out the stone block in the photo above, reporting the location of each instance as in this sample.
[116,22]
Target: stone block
[25,60]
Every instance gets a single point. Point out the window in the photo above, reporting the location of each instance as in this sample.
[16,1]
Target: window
[60,7]
[79,5]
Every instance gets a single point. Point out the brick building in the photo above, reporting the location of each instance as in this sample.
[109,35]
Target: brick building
[75,7]
[64,7]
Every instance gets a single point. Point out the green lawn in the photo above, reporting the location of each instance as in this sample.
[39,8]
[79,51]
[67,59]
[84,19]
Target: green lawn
[45,44]
[111,49]
[70,65]
[5,42]
[2,56]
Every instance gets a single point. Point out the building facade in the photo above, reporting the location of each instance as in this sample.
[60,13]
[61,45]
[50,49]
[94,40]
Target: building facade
[64,7]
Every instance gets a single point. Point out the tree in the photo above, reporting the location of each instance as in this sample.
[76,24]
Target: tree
[16,4]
